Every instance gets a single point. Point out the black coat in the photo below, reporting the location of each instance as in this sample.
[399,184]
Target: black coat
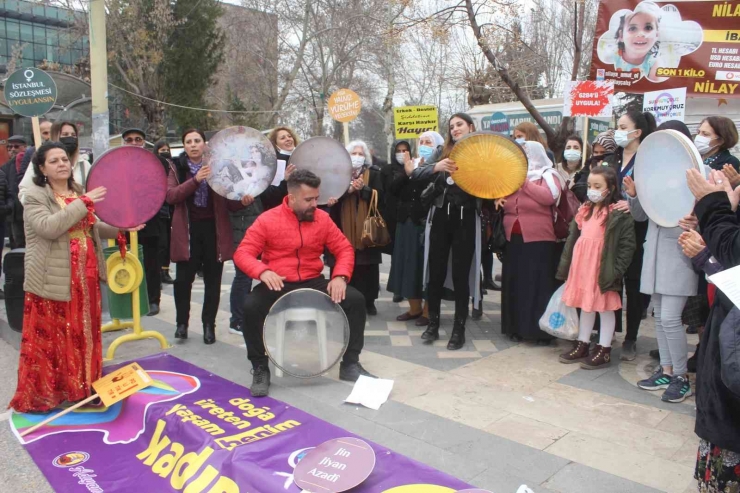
[722,158]
[13,179]
[5,206]
[717,409]
[408,198]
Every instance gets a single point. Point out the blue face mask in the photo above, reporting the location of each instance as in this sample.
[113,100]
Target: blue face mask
[426,152]
[520,140]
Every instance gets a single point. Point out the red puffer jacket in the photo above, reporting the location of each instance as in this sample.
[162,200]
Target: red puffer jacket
[293,249]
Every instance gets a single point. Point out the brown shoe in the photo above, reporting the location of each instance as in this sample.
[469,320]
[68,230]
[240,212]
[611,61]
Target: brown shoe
[576,355]
[407,316]
[598,359]
[422,321]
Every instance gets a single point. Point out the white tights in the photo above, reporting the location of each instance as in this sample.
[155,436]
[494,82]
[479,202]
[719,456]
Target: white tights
[608,325]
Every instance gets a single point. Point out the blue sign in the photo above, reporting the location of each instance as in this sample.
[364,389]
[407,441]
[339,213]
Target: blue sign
[499,123]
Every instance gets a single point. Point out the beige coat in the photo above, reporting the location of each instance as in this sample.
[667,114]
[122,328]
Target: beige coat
[47,260]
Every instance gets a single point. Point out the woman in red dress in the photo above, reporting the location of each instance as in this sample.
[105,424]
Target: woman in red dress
[61,348]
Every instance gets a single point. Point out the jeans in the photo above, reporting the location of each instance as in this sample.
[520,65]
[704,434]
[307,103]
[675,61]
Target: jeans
[669,330]
[240,288]
[258,303]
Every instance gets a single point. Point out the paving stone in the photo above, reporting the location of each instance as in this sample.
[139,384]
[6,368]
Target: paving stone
[577,478]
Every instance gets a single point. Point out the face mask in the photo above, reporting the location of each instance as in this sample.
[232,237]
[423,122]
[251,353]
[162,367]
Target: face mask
[401,157]
[621,137]
[165,155]
[70,144]
[358,161]
[572,155]
[287,153]
[520,141]
[426,152]
[702,144]
[595,196]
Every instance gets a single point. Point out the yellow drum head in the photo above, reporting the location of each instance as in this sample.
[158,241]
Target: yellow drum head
[490,166]
[124,275]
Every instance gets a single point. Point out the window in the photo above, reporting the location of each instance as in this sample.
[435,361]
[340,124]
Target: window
[26,32]
[12,28]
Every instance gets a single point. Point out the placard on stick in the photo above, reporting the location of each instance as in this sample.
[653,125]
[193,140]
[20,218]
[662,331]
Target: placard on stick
[588,98]
[121,383]
[31,92]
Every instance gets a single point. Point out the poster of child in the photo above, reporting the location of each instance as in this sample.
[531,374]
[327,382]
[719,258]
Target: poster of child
[648,38]
[243,162]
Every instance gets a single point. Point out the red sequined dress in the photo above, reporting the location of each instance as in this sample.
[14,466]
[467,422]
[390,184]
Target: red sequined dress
[61,348]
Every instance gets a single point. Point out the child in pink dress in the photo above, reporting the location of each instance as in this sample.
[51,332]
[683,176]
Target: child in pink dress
[596,256]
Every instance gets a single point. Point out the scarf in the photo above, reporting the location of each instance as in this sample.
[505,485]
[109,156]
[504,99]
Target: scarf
[540,167]
[201,193]
[353,214]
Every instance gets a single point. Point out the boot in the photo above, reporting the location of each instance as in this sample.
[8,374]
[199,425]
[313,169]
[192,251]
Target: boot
[166,278]
[457,339]
[432,332]
[599,359]
[181,332]
[209,333]
[577,354]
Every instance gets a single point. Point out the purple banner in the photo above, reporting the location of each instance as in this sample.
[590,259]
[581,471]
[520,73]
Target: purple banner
[197,432]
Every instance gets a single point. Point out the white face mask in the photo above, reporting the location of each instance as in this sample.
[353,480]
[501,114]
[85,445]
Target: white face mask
[595,196]
[520,141]
[572,155]
[621,137]
[287,153]
[703,144]
[358,161]
[401,157]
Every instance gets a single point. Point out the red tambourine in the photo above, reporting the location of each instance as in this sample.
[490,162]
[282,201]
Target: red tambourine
[136,183]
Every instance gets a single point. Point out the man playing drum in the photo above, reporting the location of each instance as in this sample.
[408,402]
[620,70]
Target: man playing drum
[291,239]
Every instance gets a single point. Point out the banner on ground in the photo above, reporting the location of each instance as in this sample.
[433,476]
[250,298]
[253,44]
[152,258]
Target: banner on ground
[647,46]
[588,98]
[412,121]
[193,431]
[668,104]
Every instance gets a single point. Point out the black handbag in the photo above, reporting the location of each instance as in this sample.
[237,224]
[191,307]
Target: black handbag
[497,241]
[435,188]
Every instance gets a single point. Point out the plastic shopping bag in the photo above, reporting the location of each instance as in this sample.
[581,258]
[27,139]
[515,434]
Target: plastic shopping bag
[560,320]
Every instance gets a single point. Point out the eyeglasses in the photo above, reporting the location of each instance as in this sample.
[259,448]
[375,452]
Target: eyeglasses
[14,146]
[131,140]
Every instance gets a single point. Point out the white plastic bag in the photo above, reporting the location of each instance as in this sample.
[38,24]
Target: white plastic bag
[560,320]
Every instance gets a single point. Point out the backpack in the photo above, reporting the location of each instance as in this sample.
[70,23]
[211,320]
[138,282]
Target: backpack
[729,351]
[564,211]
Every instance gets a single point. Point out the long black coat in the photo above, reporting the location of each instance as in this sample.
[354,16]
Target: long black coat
[717,409]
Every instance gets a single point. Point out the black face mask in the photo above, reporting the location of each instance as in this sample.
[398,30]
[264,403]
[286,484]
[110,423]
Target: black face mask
[165,155]
[70,144]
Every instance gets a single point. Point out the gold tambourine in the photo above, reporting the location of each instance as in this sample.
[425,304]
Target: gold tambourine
[490,166]
[125,275]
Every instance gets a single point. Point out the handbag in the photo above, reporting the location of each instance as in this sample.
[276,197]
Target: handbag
[497,241]
[564,212]
[375,231]
[432,191]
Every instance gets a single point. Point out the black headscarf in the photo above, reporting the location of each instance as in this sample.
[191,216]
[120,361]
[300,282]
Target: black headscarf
[395,147]
[676,125]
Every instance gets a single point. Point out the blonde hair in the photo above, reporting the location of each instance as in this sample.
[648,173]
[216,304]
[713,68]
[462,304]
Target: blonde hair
[274,135]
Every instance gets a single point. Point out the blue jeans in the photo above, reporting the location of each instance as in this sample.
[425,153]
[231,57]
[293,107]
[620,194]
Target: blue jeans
[240,288]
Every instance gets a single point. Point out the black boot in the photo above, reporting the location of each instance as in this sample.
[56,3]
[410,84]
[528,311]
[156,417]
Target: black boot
[181,332]
[432,332]
[209,333]
[457,339]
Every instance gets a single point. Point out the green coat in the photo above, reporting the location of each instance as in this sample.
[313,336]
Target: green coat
[619,247]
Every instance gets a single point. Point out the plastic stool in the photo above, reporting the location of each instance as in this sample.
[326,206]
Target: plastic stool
[300,315]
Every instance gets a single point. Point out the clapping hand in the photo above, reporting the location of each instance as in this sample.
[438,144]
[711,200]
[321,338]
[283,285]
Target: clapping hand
[731,175]
[691,243]
[447,165]
[628,185]
[689,223]
[701,187]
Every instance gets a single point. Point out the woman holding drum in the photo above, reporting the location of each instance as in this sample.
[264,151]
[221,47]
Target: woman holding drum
[632,128]
[350,212]
[454,235]
[668,275]
[61,353]
[201,234]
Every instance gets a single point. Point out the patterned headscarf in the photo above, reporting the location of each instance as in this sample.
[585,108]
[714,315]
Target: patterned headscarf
[606,140]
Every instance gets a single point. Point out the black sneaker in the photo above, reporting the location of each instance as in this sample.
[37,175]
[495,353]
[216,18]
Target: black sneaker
[678,390]
[235,329]
[658,381]
[350,372]
[655,354]
[260,381]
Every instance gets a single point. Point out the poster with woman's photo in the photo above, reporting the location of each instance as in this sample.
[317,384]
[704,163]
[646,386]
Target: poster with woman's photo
[243,162]
[645,45]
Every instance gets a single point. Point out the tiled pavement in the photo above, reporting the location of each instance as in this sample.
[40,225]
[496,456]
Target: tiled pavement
[496,414]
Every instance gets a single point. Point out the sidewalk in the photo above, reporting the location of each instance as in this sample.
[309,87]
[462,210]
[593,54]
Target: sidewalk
[495,414]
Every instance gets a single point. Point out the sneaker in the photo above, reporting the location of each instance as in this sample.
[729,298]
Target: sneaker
[678,390]
[235,329]
[260,381]
[477,314]
[629,351]
[658,381]
[350,372]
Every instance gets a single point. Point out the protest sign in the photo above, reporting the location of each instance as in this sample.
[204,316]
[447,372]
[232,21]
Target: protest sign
[588,98]
[668,104]
[344,105]
[645,46]
[412,121]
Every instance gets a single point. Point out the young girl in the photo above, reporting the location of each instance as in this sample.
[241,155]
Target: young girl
[638,42]
[596,256]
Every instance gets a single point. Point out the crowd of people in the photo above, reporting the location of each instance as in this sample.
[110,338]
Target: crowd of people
[443,243]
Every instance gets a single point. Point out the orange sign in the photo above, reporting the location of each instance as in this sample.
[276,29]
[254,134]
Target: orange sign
[344,105]
[121,383]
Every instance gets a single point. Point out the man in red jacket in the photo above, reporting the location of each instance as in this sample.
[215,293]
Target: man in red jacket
[291,239]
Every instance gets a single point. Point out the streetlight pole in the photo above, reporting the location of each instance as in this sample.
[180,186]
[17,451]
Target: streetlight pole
[99,77]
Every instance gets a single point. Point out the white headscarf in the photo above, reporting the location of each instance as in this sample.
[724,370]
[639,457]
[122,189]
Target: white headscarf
[540,167]
[437,139]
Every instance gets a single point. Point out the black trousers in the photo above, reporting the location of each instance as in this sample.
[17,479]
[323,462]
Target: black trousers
[451,232]
[635,306]
[257,305]
[152,267]
[202,252]
[164,244]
